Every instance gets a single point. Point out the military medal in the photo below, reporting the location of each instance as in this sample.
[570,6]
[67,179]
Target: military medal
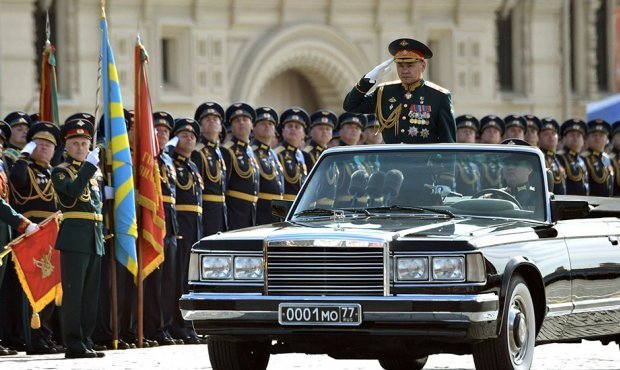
[408,95]
[425,133]
[413,132]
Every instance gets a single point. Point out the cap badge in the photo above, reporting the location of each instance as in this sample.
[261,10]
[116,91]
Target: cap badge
[80,123]
[404,43]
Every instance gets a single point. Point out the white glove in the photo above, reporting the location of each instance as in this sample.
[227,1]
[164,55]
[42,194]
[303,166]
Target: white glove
[380,70]
[173,142]
[441,190]
[32,227]
[108,192]
[93,156]
[29,148]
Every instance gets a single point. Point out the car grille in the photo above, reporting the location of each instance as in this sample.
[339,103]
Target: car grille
[318,271]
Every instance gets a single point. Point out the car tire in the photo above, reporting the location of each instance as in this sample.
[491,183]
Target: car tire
[403,363]
[513,349]
[233,355]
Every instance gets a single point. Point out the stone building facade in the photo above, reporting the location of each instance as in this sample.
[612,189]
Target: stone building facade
[547,57]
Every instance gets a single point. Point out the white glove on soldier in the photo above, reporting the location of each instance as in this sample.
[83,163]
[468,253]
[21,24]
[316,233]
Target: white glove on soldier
[380,70]
[31,228]
[441,190]
[93,156]
[29,148]
[173,142]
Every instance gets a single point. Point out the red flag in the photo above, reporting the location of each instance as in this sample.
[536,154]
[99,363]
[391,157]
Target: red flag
[151,223]
[48,97]
[38,264]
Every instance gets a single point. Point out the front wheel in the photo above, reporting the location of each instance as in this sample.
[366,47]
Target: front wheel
[514,348]
[403,363]
[231,355]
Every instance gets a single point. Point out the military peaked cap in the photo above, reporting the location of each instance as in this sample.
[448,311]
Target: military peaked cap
[163,119]
[5,131]
[44,130]
[186,124]
[467,121]
[549,123]
[599,125]
[492,120]
[18,118]
[324,117]
[351,118]
[409,50]
[573,124]
[267,114]
[208,108]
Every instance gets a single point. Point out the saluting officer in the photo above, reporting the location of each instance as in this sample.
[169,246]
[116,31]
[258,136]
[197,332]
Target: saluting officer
[491,131]
[242,185]
[573,132]
[533,129]
[411,110]
[600,169]
[33,196]
[614,155]
[159,299]
[467,172]
[548,143]
[210,162]
[80,238]
[322,124]
[293,125]
[189,213]
[271,178]
[516,126]
[20,122]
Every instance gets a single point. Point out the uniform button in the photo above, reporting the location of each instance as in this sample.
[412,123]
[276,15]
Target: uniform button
[404,117]
[402,130]
[405,105]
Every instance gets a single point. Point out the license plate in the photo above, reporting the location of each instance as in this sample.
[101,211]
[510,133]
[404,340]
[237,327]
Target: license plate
[346,314]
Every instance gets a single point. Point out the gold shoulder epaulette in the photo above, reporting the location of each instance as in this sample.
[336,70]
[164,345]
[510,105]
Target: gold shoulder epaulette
[585,153]
[308,148]
[63,165]
[280,149]
[254,147]
[228,144]
[436,87]
[199,147]
[395,82]
[561,152]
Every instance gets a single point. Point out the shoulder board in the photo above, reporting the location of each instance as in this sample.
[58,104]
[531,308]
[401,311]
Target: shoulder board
[436,87]
[395,82]
[11,154]
[561,152]
[228,144]
[63,165]
[585,154]
[254,147]
[199,147]
[308,148]
[280,149]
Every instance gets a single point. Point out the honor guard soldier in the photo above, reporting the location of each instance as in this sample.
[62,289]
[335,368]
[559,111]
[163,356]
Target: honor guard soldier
[293,126]
[322,124]
[159,299]
[242,185]
[467,172]
[189,213]
[80,238]
[533,129]
[20,122]
[614,154]
[573,133]
[33,196]
[548,143]
[210,162]
[516,126]
[271,178]
[598,163]
[411,110]
[491,131]
[371,131]
[350,126]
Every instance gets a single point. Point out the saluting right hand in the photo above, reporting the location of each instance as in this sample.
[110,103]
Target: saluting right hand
[93,156]
[173,142]
[29,148]
[380,70]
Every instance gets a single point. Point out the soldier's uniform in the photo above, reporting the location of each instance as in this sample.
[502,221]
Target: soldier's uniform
[33,196]
[598,164]
[11,151]
[552,160]
[490,176]
[271,178]
[313,150]
[467,176]
[614,155]
[210,162]
[347,168]
[291,158]
[80,241]
[573,163]
[242,184]
[418,113]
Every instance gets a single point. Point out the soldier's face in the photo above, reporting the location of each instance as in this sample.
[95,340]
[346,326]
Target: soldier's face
[411,72]
[211,124]
[531,136]
[516,173]
[491,135]
[264,130]
[350,133]
[187,143]
[573,140]
[616,140]
[514,132]
[163,135]
[78,147]
[465,135]
[242,127]
[44,151]
[548,140]
[321,134]
[293,132]
[597,140]
[18,135]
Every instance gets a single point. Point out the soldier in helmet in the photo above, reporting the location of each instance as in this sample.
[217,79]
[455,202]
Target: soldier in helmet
[598,163]
[573,132]
[293,126]
[20,122]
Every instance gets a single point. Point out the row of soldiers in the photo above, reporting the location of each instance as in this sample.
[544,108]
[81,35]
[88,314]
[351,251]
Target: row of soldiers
[581,167]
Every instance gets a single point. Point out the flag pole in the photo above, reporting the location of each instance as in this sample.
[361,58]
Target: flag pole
[138,112]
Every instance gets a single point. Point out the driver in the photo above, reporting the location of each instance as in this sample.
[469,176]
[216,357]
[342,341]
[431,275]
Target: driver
[516,171]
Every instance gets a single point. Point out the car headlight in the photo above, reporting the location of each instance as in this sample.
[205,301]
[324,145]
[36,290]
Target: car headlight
[448,268]
[217,267]
[249,268]
[412,268]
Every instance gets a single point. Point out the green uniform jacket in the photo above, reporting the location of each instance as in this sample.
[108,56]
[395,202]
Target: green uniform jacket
[421,115]
[78,191]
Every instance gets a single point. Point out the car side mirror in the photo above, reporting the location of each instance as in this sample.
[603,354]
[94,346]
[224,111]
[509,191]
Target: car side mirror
[550,180]
[280,208]
[569,209]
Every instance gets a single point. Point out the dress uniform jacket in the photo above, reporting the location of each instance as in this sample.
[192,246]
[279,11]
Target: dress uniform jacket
[313,152]
[525,195]
[419,113]
[271,181]
[576,173]
[600,173]
[552,162]
[294,169]
[467,177]
[210,162]
[242,185]
[615,161]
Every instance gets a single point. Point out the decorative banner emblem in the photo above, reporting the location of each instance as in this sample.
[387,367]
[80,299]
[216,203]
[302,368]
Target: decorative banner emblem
[45,263]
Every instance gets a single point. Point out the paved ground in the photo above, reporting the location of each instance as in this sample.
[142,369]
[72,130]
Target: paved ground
[584,356]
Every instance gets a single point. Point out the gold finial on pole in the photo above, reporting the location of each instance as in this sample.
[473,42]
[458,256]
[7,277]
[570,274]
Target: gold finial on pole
[103,9]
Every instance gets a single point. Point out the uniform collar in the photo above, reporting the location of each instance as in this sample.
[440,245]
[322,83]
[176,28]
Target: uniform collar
[549,153]
[208,142]
[319,148]
[572,153]
[518,189]
[261,145]
[413,86]
[179,157]
[288,146]
[238,142]
[41,164]
[72,161]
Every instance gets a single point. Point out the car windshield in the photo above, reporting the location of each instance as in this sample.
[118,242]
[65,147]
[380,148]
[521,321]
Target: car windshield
[448,183]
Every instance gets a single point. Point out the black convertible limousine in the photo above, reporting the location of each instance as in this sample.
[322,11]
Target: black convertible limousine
[375,260]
